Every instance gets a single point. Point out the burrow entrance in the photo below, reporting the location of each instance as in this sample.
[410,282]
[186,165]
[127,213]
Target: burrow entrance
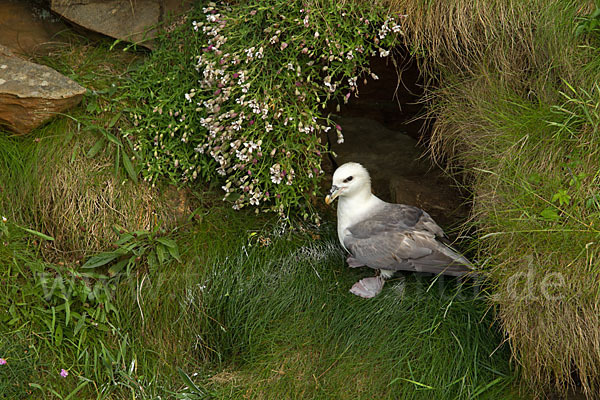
[382,130]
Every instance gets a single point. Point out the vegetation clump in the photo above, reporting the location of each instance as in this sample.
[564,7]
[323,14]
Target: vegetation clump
[515,98]
[226,304]
[253,110]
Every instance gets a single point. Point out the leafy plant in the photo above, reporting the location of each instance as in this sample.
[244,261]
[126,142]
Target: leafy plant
[562,197]
[589,24]
[259,75]
[109,134]
[133,248]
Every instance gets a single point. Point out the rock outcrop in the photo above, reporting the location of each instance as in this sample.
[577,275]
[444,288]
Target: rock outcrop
[31,94]
[129,20]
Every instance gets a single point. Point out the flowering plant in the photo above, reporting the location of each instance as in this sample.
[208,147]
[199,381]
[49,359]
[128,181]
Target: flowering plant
[265,71]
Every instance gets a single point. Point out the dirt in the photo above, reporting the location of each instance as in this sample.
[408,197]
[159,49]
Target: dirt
[28,27]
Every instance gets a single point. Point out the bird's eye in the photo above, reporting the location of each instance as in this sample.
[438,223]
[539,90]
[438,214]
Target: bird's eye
[348,179]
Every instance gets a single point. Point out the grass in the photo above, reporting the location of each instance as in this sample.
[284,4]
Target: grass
[255,308]
[514,95]
[286,319]
[275,321]
[68,178]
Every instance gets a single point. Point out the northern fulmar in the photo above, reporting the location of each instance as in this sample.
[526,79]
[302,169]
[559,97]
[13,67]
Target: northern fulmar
[387,237]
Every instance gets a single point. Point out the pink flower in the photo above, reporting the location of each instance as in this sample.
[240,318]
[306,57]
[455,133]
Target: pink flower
[64,373]
[251,122]
[236,75]
[283,45]
[2,361]
[337,127]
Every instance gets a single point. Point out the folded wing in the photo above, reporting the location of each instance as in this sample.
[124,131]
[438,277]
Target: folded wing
[405,238]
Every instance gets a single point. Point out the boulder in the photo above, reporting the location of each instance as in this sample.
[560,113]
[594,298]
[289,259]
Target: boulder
[31,94]
[129,20]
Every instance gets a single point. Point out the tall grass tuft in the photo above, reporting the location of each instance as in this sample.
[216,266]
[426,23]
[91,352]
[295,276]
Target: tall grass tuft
[277,321]
[513,92]
[66,179]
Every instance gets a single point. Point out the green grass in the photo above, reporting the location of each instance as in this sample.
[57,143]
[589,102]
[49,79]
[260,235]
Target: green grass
[276,321]
[283,316]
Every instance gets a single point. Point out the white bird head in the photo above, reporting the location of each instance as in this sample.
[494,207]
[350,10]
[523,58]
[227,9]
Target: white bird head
[348,180]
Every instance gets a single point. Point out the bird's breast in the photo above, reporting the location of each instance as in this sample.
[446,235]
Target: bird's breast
[353,210]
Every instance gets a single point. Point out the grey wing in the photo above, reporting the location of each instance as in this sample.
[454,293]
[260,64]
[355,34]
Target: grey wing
[400,217]
[390,246]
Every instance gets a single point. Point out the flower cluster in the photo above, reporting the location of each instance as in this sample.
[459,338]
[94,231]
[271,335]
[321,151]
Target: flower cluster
[265,71]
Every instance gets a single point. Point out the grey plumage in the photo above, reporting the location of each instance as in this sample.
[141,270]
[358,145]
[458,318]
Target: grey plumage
[403,238]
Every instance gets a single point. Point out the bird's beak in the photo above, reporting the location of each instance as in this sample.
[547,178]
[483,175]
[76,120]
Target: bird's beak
[333,194]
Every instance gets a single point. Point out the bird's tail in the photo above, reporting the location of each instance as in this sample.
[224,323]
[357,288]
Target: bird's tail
[444,260]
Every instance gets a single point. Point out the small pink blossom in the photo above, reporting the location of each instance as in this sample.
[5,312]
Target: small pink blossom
[236,75]
[337,127]
[2,361]
[284,45]
[64,373]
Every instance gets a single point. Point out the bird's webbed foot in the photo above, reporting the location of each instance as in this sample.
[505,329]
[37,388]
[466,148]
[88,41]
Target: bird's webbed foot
[368,287]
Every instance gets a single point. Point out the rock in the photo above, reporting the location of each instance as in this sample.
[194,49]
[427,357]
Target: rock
[433,192]
[400,171]
[393,103]
[130,20]
[31,94]
[28,28]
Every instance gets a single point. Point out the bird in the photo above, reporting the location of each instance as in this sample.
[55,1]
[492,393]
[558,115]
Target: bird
[385,236]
